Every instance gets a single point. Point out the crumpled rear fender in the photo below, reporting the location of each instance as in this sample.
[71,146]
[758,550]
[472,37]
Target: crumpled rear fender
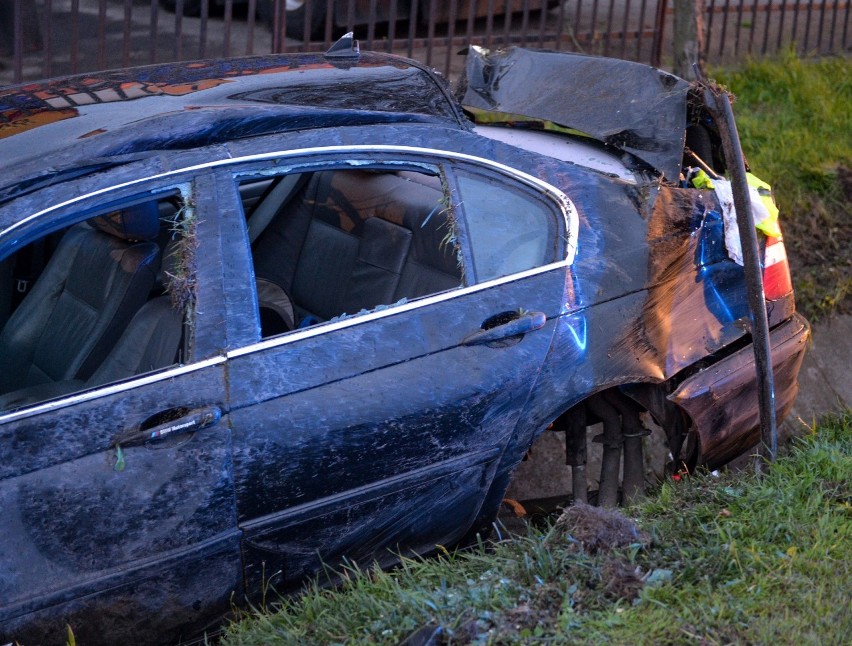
[722,399]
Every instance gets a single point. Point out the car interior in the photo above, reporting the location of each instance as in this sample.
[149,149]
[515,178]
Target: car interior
[90,305]
[94,304]
[337,242]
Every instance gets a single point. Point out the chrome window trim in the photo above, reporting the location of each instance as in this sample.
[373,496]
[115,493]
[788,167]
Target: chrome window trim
[391,310]
[110,389]
[569,212]
[566,206]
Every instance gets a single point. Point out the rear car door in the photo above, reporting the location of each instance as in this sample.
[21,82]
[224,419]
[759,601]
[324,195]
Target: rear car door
[424,287]
[116,487]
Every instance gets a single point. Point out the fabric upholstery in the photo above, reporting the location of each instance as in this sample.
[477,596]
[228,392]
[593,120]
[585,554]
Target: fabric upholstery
[150,342]
[276,308]
[132,223]
[382,250]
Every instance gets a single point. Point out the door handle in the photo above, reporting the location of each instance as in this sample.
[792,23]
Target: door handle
[498,328]
[187,422]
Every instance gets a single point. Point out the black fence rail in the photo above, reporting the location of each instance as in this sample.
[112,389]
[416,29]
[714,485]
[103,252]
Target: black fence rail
[44,38]
[760,27]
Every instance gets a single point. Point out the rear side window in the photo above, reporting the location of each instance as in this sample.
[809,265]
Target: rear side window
[510,230]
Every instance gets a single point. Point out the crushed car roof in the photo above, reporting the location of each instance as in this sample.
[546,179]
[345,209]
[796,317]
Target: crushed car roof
[53,130]
[630,106]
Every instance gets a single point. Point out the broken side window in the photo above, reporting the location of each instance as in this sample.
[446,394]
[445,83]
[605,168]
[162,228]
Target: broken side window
[97,301]
[335,242]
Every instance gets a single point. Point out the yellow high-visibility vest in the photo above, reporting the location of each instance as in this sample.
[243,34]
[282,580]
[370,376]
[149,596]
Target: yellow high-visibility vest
[763,206]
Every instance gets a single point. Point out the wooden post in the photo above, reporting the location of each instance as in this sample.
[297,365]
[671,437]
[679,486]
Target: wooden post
[688,38]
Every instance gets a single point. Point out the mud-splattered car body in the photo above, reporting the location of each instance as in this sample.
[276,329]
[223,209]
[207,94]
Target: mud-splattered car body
[379,307]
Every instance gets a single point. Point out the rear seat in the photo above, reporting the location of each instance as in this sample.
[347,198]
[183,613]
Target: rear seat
[354,239]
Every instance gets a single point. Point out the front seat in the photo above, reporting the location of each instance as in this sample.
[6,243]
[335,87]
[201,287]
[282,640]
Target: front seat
[99,276]
[150,342]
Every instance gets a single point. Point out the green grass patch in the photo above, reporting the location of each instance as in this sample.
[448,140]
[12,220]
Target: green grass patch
[727,559]
[795,124]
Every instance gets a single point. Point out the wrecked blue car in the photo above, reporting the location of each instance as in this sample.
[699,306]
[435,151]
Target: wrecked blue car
[263,314]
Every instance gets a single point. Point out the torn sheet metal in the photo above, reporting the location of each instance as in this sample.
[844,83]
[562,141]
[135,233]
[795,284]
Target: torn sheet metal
[722,400]
[632,107]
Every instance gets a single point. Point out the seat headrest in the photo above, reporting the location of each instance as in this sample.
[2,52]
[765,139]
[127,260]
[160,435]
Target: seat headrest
[133,223]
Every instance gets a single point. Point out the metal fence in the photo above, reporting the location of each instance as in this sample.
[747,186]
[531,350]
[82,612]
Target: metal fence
[761,27]
[44,38]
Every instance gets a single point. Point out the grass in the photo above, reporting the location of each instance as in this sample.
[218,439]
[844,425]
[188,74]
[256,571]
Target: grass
[795,124]
[711,559]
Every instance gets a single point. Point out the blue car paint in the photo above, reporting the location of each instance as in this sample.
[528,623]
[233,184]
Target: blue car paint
[342,443]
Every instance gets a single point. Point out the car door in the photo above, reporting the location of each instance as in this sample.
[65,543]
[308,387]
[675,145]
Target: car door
[117,498]
[379,431]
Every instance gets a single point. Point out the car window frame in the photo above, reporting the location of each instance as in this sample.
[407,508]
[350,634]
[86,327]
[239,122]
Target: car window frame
[80,208]
[558,231]
[373,155]
[207,172]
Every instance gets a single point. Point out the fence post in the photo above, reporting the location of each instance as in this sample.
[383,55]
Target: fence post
[688,36]
[19,32]
[659,27]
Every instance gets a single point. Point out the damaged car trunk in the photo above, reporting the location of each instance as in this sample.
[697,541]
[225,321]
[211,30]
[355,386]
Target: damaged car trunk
[671,130]
[263,315]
